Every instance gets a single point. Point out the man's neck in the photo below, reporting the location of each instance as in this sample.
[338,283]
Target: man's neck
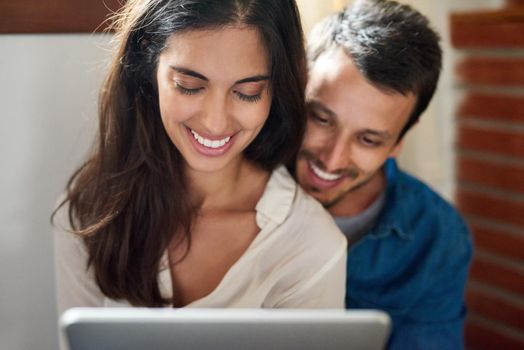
[357,201]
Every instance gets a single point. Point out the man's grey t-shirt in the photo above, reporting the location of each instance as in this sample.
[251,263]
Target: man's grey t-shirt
[356,227]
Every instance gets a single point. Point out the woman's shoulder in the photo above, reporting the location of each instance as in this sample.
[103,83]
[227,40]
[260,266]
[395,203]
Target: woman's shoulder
[317,225]
[298,215]
[68,245]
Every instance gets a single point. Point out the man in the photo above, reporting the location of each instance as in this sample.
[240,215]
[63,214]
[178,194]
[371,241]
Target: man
[373,70]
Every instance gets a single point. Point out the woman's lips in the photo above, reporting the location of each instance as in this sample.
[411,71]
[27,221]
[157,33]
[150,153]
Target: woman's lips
[212,147]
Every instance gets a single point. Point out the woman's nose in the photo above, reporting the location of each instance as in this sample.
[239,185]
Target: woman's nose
[216,114]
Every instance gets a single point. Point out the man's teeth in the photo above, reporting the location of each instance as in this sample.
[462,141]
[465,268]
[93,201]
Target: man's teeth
[324,175]
[210,143]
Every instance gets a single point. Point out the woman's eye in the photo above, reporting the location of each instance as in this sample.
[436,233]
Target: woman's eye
[187,91]
[249,98]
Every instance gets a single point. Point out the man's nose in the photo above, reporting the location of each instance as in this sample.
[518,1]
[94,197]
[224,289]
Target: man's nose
[337,155]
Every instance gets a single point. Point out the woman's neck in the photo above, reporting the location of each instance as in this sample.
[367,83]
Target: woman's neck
[234,187]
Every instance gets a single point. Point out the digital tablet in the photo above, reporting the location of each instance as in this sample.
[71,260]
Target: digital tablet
[223,329]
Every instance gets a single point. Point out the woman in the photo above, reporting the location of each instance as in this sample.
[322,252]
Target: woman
[183,201]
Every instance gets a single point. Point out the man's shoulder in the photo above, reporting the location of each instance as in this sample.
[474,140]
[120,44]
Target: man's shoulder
[422,200]
[416,188]
[419,238]
[417,212]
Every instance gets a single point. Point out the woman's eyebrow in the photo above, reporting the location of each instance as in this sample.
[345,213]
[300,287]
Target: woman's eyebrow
[252,79]
[189,72]
[192,73]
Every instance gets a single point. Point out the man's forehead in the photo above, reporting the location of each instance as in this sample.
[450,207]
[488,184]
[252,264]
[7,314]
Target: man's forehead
[330,64]
[367,127]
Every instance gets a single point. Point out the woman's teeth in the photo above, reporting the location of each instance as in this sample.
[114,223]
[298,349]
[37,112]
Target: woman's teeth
[210,143]
[324,175]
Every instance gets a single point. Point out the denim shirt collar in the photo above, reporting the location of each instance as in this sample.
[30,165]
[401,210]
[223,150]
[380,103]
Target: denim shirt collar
[394,215]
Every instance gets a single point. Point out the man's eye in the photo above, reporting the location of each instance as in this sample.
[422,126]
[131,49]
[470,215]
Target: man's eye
[318,119]
[368,141]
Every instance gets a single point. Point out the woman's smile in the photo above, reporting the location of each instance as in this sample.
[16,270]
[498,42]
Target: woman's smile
[210,146]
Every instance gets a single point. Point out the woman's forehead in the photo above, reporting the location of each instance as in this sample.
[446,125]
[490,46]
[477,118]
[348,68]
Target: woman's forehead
[232,50]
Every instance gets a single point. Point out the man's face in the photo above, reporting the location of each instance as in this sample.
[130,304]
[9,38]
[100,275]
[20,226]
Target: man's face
[352,128]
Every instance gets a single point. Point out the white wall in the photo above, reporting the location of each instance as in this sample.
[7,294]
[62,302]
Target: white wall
[48,92]
[311,11]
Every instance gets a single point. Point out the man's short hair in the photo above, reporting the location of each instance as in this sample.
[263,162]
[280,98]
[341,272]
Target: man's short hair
[391,44]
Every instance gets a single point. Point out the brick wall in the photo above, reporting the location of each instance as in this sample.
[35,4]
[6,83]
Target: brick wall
[55,16]
[490,169]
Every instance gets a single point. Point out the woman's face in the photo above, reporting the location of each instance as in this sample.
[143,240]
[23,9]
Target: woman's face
[214,94]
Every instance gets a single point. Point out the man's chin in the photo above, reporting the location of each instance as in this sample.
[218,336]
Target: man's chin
[326,199]
[334,195]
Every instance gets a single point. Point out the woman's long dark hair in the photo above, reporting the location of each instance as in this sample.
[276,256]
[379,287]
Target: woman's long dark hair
[130,197]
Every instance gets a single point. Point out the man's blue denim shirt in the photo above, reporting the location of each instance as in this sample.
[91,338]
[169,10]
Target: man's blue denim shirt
[413,264]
